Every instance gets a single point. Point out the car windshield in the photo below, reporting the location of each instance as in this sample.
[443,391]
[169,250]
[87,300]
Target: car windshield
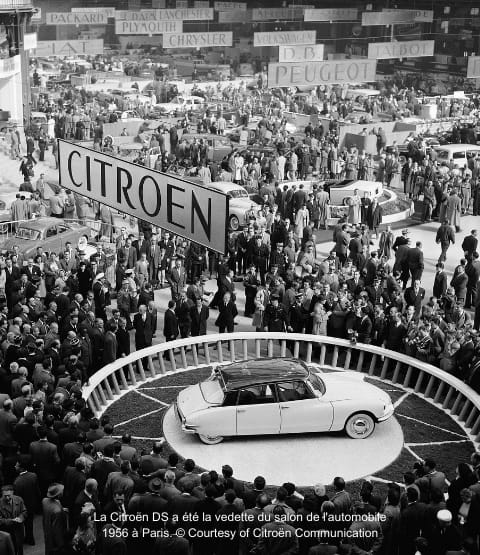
[212,390]
[237,193]
[27,233]
[317,383]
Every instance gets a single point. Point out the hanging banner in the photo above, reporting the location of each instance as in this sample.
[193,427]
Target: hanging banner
[197,40]
[229,6]
[10,66]
[387,18]
[30,41]
[180,206]
[235,16]
[147,27]
[473,67]
[331,14]
[180,14]
[277,38]
[301,53]
[264,14]
[418,16]
[47,48]
[109,12]
[321,73]
[75,18]
[404,49]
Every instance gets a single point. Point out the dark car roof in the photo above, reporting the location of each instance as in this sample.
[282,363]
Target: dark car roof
[262,370]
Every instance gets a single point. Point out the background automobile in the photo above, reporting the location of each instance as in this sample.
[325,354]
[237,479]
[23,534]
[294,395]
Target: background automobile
[342,192]
[218,146]
[49,233]
[239,203]
[179,105]
[280,396]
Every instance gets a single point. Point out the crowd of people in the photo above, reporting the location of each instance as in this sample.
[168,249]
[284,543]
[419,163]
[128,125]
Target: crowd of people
[64,315]
[98,494]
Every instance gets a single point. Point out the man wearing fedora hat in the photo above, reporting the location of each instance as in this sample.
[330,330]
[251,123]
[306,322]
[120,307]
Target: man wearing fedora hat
[55,524]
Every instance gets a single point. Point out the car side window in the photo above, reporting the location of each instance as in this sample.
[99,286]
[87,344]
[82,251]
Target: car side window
[457,155]
[61,229]
[256,395]
[293,391]
[51,232]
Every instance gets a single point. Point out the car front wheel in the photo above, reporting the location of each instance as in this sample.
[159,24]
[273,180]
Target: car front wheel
[210,440]
[360,426]
[234,223]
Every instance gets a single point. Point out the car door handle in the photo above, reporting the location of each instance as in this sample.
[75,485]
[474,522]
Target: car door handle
[241,410]
[284,407]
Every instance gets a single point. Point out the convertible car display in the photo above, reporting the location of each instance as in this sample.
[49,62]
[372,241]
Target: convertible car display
[280,396]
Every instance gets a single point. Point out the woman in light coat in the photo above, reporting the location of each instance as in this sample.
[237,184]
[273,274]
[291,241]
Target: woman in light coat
[260,302]
[301,220]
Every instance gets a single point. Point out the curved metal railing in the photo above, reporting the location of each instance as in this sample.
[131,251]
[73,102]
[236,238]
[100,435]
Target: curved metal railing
[444,390]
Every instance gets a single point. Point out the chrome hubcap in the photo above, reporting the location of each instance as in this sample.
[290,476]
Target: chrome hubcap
[361,426]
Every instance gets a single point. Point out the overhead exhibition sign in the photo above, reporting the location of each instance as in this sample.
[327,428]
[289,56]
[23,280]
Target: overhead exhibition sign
[473,66]
[226,6]
[61,48]
[277,38]
[301,53]
[179,14]
[321,73]
[197,40]
[404,49]
[331,14]
[417,16]
[147,27]
[177,205]
[235,16]
[109,12]
[395,17]
[286,14]
[76,18]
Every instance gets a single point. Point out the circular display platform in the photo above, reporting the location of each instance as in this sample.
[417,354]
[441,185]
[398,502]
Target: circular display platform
[321,457]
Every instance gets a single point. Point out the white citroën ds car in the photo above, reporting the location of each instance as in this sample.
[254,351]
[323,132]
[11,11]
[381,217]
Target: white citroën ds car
[280,396]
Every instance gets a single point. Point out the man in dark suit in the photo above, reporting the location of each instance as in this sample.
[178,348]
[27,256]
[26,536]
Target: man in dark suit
[185,503]
[199,314]
[74,479]
[440,282]
[177,279]
[364,326]
[110,346]
[88,495]
[142,324]
[472,269]
[356,284]
[170,325]
[226,314]
[12,516]
[153,257]
[342,242]
[45,460]
[412,521]
[400,240]
[140,245]
[414,296]
[26,487]
[470,243]
[415,262]
[445,236]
